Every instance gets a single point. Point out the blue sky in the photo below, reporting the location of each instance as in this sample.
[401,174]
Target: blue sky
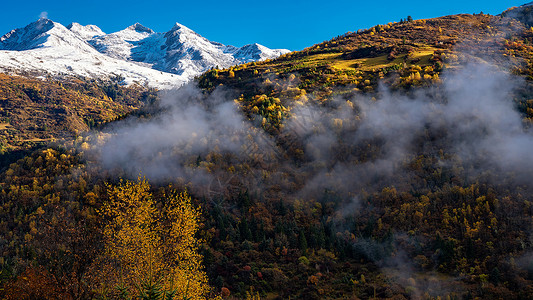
[287,24]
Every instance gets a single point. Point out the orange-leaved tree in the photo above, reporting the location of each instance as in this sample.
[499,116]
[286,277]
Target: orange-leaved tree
[150,246]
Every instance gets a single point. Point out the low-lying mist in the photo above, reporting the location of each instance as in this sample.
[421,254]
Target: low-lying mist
[467,126]
[360,144]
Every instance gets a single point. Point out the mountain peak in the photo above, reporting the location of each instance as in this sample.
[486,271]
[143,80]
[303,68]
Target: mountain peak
[42,20]
[180,27]
[180,31]
[253,46]
[41,25]
[44,33]
[29,37]
[138,27]
[256,52]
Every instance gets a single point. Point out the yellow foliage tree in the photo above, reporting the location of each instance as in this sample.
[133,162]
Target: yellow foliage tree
[154,245]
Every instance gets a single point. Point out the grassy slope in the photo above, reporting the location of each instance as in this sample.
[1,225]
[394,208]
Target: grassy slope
[380,53]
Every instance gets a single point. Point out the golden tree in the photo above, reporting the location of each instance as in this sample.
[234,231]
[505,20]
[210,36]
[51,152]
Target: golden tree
[152,245]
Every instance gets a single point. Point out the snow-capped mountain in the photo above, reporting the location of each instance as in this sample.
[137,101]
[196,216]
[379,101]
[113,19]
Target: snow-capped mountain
[255,52]
[180,51]
[47,47]
[189,53]
[137,53]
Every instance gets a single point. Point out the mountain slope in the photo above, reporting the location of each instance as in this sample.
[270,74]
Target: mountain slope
[119,44]
[347,114]
[35,112]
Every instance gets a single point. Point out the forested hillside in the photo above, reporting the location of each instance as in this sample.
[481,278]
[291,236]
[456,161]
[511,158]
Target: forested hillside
[388,163]
[34,111]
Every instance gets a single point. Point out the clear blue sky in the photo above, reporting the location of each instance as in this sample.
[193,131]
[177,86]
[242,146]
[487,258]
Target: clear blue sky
[291,24]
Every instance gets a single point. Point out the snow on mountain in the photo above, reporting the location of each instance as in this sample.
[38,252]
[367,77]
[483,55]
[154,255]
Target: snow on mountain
[191,54]
[50,48]
[85,32]
[255,52]
[137,53]
[120,44]
[180,50]
[63,61]
[43,33]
